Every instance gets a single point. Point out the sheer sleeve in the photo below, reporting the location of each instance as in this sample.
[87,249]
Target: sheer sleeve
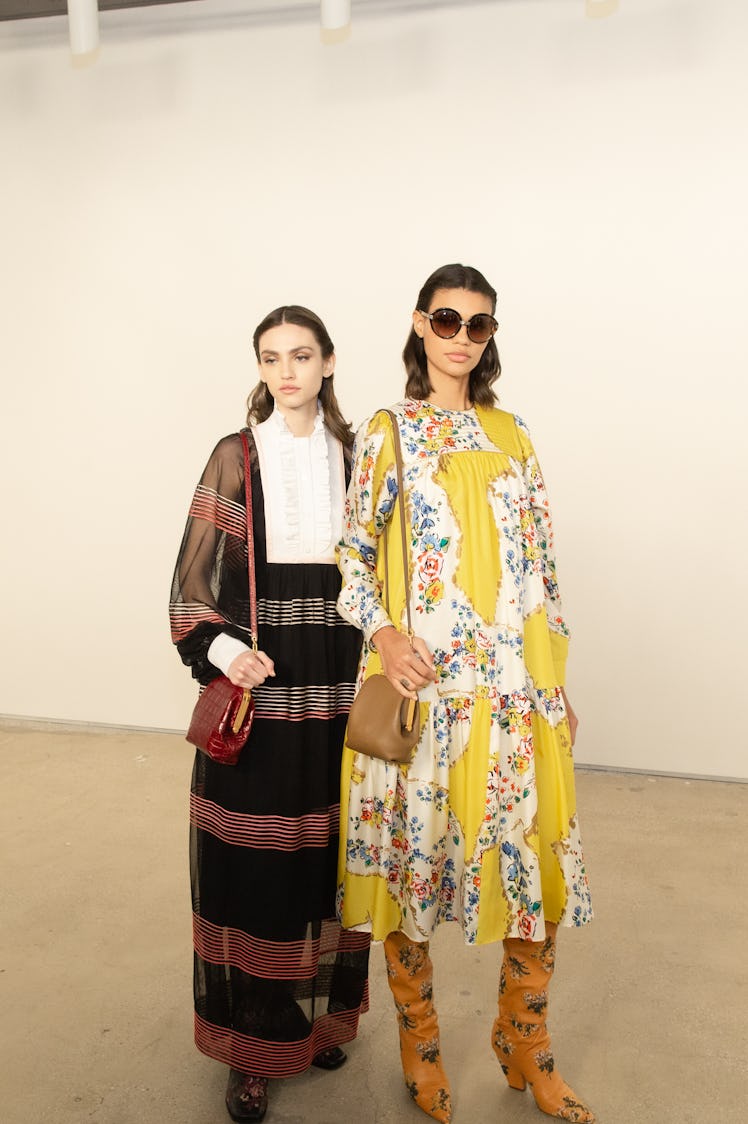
[369,505]
[210,591]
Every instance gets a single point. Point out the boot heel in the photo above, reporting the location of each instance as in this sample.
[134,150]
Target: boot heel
[514,1079]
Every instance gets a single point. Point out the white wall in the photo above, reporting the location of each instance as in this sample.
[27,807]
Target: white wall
[157,204]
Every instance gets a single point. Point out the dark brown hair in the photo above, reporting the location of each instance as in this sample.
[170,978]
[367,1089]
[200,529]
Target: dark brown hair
[260,403]
[418,384]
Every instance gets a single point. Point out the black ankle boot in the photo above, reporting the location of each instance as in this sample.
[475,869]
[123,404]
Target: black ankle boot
[246,1096]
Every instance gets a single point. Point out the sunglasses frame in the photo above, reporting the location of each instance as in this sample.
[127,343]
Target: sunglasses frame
[462,323]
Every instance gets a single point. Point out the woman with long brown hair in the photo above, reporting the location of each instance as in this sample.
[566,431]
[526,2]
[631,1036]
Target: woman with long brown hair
[278,986]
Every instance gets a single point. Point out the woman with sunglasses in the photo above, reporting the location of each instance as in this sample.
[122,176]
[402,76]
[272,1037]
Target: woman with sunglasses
[278,985]
[481,826]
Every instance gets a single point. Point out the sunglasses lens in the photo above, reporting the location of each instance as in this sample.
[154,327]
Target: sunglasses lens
[445,322]
[481,328]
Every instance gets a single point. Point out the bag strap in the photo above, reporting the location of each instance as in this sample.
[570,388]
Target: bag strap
[410,713]
[246,698]
[250,543]
[403,534]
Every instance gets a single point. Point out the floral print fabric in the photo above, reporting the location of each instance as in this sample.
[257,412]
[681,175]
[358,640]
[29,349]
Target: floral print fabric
[481,826]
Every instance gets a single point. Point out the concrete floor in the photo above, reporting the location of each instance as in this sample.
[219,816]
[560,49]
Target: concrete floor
[649,1004]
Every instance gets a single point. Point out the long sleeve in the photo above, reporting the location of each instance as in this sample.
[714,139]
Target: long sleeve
[209,590]
[368,509]
[543,551]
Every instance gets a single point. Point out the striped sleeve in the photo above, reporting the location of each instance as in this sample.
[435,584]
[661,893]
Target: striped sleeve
[209,593]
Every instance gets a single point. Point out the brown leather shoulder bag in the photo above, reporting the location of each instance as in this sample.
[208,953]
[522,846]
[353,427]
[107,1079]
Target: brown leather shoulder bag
[382,723]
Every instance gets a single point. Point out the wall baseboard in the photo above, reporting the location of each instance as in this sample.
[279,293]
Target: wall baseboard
[50,725]
[580,766]
[62,725]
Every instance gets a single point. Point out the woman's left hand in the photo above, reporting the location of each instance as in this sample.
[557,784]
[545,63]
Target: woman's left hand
[573,720]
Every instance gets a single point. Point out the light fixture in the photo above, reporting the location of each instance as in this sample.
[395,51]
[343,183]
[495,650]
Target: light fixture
[335,15]
[83,26]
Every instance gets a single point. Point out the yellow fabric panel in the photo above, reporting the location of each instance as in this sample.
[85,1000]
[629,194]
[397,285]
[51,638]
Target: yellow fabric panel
[554,776]
[468,776]
[390,575]
[385,462]
[373,663]
[539,650]
[346,767]
[494,918]
[503,432]
[478,571]
[559,652]
[367,899]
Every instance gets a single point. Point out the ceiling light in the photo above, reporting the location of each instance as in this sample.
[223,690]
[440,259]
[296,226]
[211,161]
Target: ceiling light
[335,14]
[83,26]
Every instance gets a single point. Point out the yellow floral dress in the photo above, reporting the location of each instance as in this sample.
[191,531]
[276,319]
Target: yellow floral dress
[481,826]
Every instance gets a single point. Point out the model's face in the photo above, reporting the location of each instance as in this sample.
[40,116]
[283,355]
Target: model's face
[455,358]
[292,366]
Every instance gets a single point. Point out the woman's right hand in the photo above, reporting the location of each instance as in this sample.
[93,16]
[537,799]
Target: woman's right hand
[407,668]
[249,669]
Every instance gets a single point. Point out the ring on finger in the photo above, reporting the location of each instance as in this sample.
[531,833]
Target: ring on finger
[405,683]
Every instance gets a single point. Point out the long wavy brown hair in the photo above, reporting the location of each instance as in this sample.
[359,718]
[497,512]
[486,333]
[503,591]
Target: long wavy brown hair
[418,384]
[260,403]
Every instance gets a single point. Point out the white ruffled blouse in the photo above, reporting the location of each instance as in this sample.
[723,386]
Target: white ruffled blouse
[303,482]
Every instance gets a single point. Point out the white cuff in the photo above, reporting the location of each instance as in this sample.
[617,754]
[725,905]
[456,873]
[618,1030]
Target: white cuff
[224,650]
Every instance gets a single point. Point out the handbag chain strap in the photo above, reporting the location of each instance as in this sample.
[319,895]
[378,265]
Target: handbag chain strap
[403,535]
[246,693]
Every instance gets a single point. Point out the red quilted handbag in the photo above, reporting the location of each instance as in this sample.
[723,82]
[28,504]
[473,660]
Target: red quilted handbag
[222,718]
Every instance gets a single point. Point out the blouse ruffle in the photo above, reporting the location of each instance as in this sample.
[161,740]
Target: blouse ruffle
[299,475]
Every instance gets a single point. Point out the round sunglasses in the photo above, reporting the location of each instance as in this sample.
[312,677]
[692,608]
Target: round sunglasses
[446,323]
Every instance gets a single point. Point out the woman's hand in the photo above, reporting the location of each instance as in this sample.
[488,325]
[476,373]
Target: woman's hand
[573,720]
[249,669]
[407,668]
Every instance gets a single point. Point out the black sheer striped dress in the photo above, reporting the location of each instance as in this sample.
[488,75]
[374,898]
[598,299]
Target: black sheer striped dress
[276,979]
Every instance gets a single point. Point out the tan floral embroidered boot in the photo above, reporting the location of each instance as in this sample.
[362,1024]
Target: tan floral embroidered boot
[520,1037]
[410,976]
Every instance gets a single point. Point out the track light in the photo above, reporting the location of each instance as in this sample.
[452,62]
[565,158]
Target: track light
[335,14]
[83,26]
